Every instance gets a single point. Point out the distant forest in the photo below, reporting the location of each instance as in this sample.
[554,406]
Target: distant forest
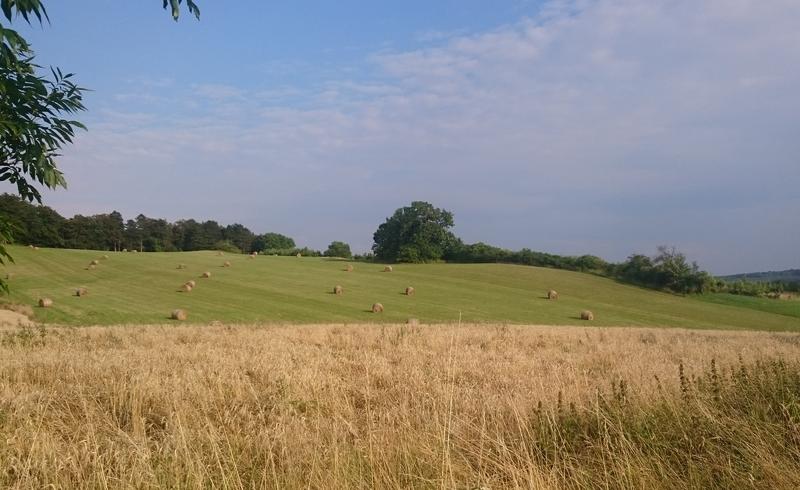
[789,275]
[44,227]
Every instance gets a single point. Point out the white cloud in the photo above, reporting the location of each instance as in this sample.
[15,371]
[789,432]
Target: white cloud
[553,133]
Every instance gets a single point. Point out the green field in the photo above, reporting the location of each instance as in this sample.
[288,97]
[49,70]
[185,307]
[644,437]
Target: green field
[780,307]
[130,288]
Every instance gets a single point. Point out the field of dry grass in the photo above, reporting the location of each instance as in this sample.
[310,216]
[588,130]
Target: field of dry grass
[398,406]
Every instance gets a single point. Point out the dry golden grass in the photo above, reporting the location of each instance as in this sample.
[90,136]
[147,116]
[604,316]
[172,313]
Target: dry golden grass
[377,407]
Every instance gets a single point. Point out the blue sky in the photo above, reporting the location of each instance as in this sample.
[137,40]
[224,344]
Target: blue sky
[586,126]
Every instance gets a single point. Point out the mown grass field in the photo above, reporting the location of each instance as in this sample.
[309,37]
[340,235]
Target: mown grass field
[130,288]
[781,307]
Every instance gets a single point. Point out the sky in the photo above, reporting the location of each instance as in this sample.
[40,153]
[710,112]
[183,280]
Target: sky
[606,127]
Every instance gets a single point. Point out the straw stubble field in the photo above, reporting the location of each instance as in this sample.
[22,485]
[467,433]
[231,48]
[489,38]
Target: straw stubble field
[387,406]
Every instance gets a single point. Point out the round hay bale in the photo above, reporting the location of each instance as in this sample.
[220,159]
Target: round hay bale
[220,253]
[552,294]
[81,292]
[206,275]
[91,267]
[186,288]
[135,251]
[299,255]
[349,268]
[105,257]
[410,291]
[94,262]
[30,247]
[226,264]
[337,290]
[587,315]
[124,249]
[45,302]
[191,283]
[255,253]
[181,266]
[388,268]
[412,322]
[36,248]
[179,315]
[377,308]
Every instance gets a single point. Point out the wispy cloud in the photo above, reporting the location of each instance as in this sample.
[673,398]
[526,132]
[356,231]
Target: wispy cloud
[559,132]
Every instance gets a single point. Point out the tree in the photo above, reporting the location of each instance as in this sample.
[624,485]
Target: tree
[674,271]
[416,233]
[668,270]
[227,246]
[156,234]
[272,241]
[114,227]
[133,235]
[35,111]
[590,263]
[209,234]
[638,269]
[339,249]
[185,233]
[241,237]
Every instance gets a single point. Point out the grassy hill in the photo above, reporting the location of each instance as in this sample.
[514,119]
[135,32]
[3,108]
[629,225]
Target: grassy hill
[131,288]
[782,307]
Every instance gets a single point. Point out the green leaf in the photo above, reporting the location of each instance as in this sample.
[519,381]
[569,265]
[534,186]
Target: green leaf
[6,6]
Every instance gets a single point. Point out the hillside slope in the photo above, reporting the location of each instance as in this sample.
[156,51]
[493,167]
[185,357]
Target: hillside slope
[131,288]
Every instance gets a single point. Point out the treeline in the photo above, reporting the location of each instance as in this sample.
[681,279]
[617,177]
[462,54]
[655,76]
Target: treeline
[756,288]
[44,227]
[421,233]
[787,276]
[771,284]
[483,253]
[669,270]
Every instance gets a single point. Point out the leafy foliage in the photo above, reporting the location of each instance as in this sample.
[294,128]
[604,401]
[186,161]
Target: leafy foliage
[339,249]
[33,123]
[420,233]
[669,270]
[415,233]
[227,246]
[273,241]
[43,226]
[35,111]
[175,8]
[483,253]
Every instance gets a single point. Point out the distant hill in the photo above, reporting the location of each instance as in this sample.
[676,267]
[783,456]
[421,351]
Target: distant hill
[790,275]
